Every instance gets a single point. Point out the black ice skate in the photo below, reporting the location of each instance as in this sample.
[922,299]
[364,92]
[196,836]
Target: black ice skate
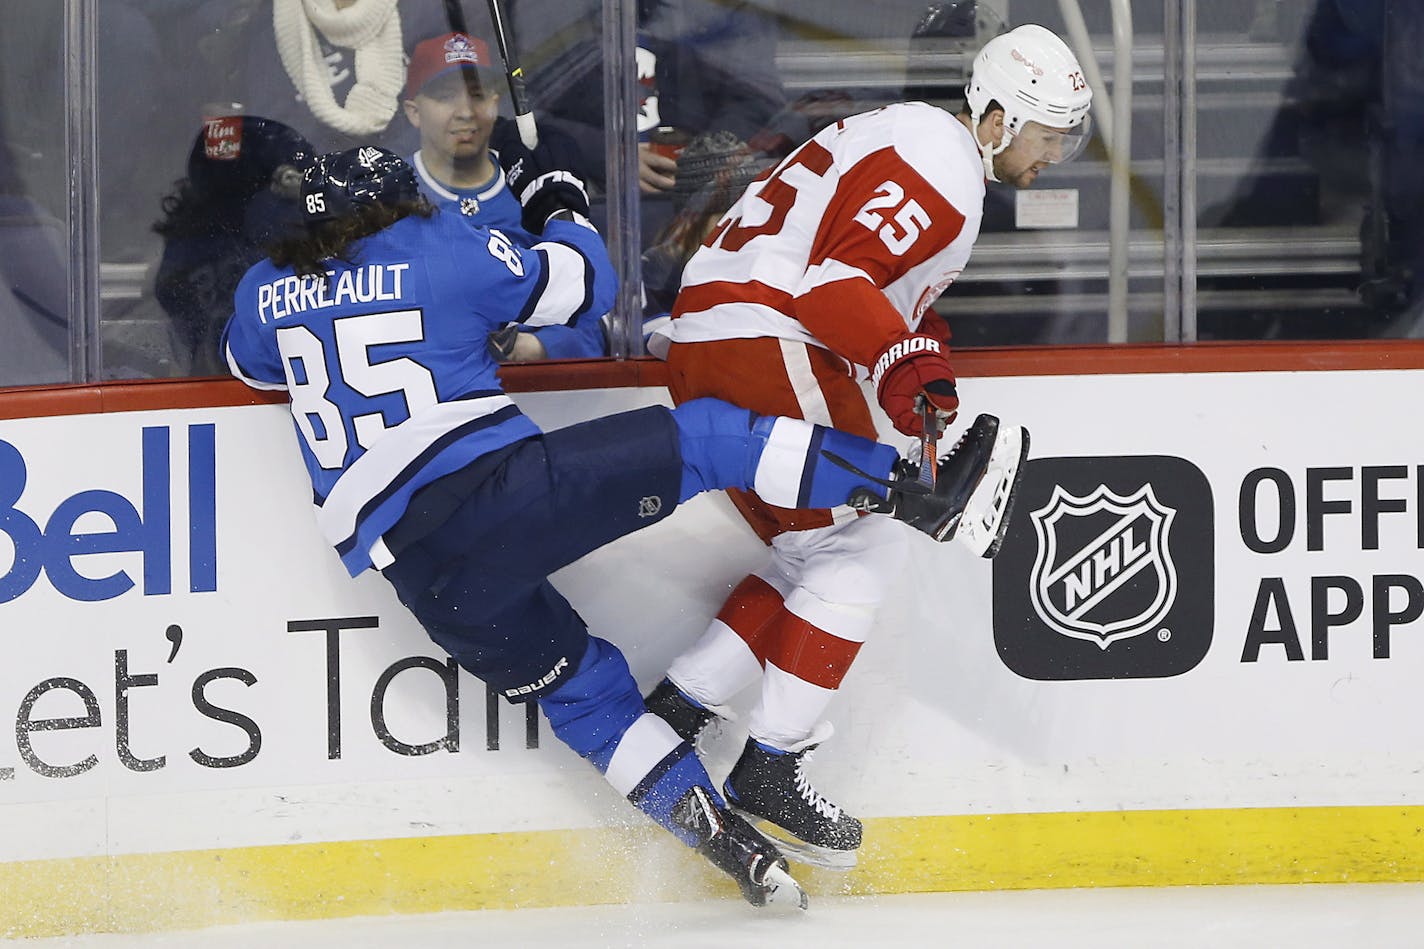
[771,785]
[738,850]
[686,717]
[974,488]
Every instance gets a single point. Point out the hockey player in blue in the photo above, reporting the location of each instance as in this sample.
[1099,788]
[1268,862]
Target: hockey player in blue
[374,321]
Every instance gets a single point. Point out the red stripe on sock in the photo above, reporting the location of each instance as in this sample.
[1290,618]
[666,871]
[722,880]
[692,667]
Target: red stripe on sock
[810,654]
[751,612]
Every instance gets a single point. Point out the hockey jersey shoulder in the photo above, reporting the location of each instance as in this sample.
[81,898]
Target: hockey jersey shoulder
[941,148]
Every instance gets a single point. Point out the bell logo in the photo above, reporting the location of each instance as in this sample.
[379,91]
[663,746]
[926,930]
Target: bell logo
[1111,573]
[1079,590]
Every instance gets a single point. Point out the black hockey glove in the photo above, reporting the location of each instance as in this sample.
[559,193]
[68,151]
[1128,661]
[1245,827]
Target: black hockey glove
[540,185]
[501,342]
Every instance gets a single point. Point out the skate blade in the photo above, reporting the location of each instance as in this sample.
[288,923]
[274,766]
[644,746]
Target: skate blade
[985,520]
[782,889]
[794,848]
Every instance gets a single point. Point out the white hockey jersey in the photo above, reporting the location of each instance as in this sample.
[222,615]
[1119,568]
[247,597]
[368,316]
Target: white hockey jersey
[847,242]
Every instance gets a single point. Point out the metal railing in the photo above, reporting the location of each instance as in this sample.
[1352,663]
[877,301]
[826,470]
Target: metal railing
[1113,113]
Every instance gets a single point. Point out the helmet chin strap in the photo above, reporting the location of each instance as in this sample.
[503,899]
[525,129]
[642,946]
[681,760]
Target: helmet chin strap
[987,150]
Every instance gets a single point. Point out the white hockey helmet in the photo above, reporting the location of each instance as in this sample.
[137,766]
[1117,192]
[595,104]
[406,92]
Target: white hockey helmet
[1035,78]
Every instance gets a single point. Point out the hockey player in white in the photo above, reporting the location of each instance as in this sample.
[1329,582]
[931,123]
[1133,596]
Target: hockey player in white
[828,264]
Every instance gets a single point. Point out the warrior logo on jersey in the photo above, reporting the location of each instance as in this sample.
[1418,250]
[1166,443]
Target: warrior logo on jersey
[1109,573]
[1103,572]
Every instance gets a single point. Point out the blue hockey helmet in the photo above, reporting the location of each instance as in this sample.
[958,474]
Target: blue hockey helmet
[340,182]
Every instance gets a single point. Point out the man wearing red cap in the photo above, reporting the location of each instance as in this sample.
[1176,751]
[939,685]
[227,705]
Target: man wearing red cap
[452,99]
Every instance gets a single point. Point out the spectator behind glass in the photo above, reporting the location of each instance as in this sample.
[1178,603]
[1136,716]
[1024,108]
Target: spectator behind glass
[712,172]
[335,69]
[452,101]
[34,289]
[244,176]
[703,66]
[1401,191]
[1361,130]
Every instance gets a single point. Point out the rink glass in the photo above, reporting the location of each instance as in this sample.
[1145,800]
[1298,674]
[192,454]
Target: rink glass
[1267,155]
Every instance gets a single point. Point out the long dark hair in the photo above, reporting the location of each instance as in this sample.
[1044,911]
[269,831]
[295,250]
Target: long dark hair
[307,251]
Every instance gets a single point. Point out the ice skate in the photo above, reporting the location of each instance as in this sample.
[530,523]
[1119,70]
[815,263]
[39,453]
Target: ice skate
[672,705]
[771,786]
[736,849]
[689,719]
[974,489]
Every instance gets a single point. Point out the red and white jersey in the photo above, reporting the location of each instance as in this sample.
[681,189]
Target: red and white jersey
[847,242]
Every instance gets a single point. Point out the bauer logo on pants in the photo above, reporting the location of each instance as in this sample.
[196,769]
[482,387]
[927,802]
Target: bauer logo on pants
[1107,570]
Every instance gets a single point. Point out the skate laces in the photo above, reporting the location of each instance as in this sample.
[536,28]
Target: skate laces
[808,793]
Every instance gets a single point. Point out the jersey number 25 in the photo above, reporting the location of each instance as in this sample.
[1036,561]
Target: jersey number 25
[908,218]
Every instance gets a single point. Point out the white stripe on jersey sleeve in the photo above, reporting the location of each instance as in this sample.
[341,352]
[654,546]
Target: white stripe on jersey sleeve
[236,370]
[565,289]
[383,462]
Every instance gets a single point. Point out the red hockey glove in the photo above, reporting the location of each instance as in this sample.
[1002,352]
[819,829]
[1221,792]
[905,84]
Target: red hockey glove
[911,366]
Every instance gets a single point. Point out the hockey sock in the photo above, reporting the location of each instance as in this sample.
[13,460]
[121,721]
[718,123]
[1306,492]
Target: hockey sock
[793,469]
[599,713]
[780,458]
[729,655]
[668,782]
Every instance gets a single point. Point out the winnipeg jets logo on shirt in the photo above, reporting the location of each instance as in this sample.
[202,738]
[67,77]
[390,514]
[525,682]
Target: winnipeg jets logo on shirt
[650,506]
[1089,549]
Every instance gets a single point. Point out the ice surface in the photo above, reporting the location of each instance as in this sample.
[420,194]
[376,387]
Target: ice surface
[1307,916]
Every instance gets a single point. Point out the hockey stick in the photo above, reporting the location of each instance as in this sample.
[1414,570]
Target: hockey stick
[456,15]
[518,95]
[929,440]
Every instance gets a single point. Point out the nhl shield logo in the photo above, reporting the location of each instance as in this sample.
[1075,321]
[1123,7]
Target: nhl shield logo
[1111,572]
[1104,570]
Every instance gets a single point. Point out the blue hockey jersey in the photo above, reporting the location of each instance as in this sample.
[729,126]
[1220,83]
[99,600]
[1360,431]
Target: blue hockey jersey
[385,360]
[496,206]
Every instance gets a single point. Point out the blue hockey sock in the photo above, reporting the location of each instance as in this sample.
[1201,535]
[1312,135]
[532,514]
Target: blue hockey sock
[817,480]
[599,713]
[782,459]
[591,709]
[667,783]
